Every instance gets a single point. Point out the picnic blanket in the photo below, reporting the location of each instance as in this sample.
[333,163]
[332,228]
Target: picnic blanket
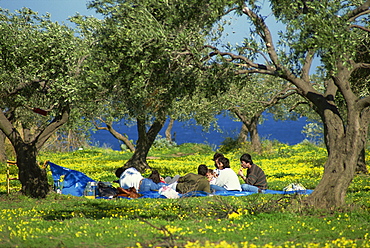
[73,182]
[156,194]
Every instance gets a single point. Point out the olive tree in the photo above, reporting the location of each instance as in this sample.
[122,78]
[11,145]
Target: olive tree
[334,32]
[145,53]
[40,65]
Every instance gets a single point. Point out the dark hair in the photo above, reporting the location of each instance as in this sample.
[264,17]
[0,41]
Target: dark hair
[155,176]
[202,169]
[217,155]
[246,158]
[119,172]
[225,162]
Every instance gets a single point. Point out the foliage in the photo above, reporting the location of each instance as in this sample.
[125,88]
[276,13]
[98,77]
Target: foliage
[314,132]
[229,144]
[146,55]
[42,87]
[162,143]
[39,67]
[143,52]
[334,33]
[259,220]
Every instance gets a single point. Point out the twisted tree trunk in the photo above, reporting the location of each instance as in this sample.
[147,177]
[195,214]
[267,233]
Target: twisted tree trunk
[144,143]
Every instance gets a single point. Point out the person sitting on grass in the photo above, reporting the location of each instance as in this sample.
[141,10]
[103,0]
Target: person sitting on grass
[216,156]
[211,176]
[130,177]
[194,182]
[227,179]
[255,181]
[153,183]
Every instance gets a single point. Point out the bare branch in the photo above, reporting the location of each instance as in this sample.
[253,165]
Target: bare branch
[266,35]
[58,121]
[117,135]
[248,62]
[296,105]
[307,65]
[360,27]
[363,65]
[361,10]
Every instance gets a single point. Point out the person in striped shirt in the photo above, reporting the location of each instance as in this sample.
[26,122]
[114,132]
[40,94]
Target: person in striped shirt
[255,181]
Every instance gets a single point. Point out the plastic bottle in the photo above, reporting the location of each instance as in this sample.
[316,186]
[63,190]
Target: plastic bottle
[90,190]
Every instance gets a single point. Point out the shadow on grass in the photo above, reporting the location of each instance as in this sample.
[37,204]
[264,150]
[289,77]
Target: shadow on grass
[99,209]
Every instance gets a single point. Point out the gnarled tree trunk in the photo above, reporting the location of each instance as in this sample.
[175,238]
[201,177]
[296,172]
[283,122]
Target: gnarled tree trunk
[344,144]
[3,157]
[169,129]
[144,143]
[32,177]
[253,132]
[251,127]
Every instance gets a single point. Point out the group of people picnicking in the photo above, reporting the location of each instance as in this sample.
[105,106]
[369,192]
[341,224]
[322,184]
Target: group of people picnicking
[223,178]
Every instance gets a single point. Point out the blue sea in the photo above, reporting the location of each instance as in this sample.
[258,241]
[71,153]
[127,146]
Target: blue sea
[288,132]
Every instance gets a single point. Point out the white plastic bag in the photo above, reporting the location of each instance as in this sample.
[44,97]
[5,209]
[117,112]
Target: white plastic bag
[294,187]
[168,192]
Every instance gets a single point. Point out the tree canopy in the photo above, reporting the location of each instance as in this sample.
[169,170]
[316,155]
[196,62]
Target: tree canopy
[334,32]
[146,55]
[40,74]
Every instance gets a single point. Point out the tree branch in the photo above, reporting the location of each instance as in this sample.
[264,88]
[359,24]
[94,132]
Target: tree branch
[248,62]
[280,96]
[364,102]
[361,10]
[360,27]
[307,65]
[362,65]
[58,121]
[266,36]
[117,135]
[8,129]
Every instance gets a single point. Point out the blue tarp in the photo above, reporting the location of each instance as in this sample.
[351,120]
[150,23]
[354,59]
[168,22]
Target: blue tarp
[155,194]
[74,182]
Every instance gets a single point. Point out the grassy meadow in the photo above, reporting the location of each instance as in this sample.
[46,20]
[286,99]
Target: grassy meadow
[258,220]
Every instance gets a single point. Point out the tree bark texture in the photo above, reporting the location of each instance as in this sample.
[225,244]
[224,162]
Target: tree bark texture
[33,178]
[361,163]
[345,142]
[169,130]
[144,143]
[253,132]
[243,134]
[3,156]
[117,135]
[251,128]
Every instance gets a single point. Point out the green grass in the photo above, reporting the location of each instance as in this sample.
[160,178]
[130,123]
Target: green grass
[259,220]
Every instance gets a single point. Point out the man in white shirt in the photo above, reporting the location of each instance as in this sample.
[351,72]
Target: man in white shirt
[129,178]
